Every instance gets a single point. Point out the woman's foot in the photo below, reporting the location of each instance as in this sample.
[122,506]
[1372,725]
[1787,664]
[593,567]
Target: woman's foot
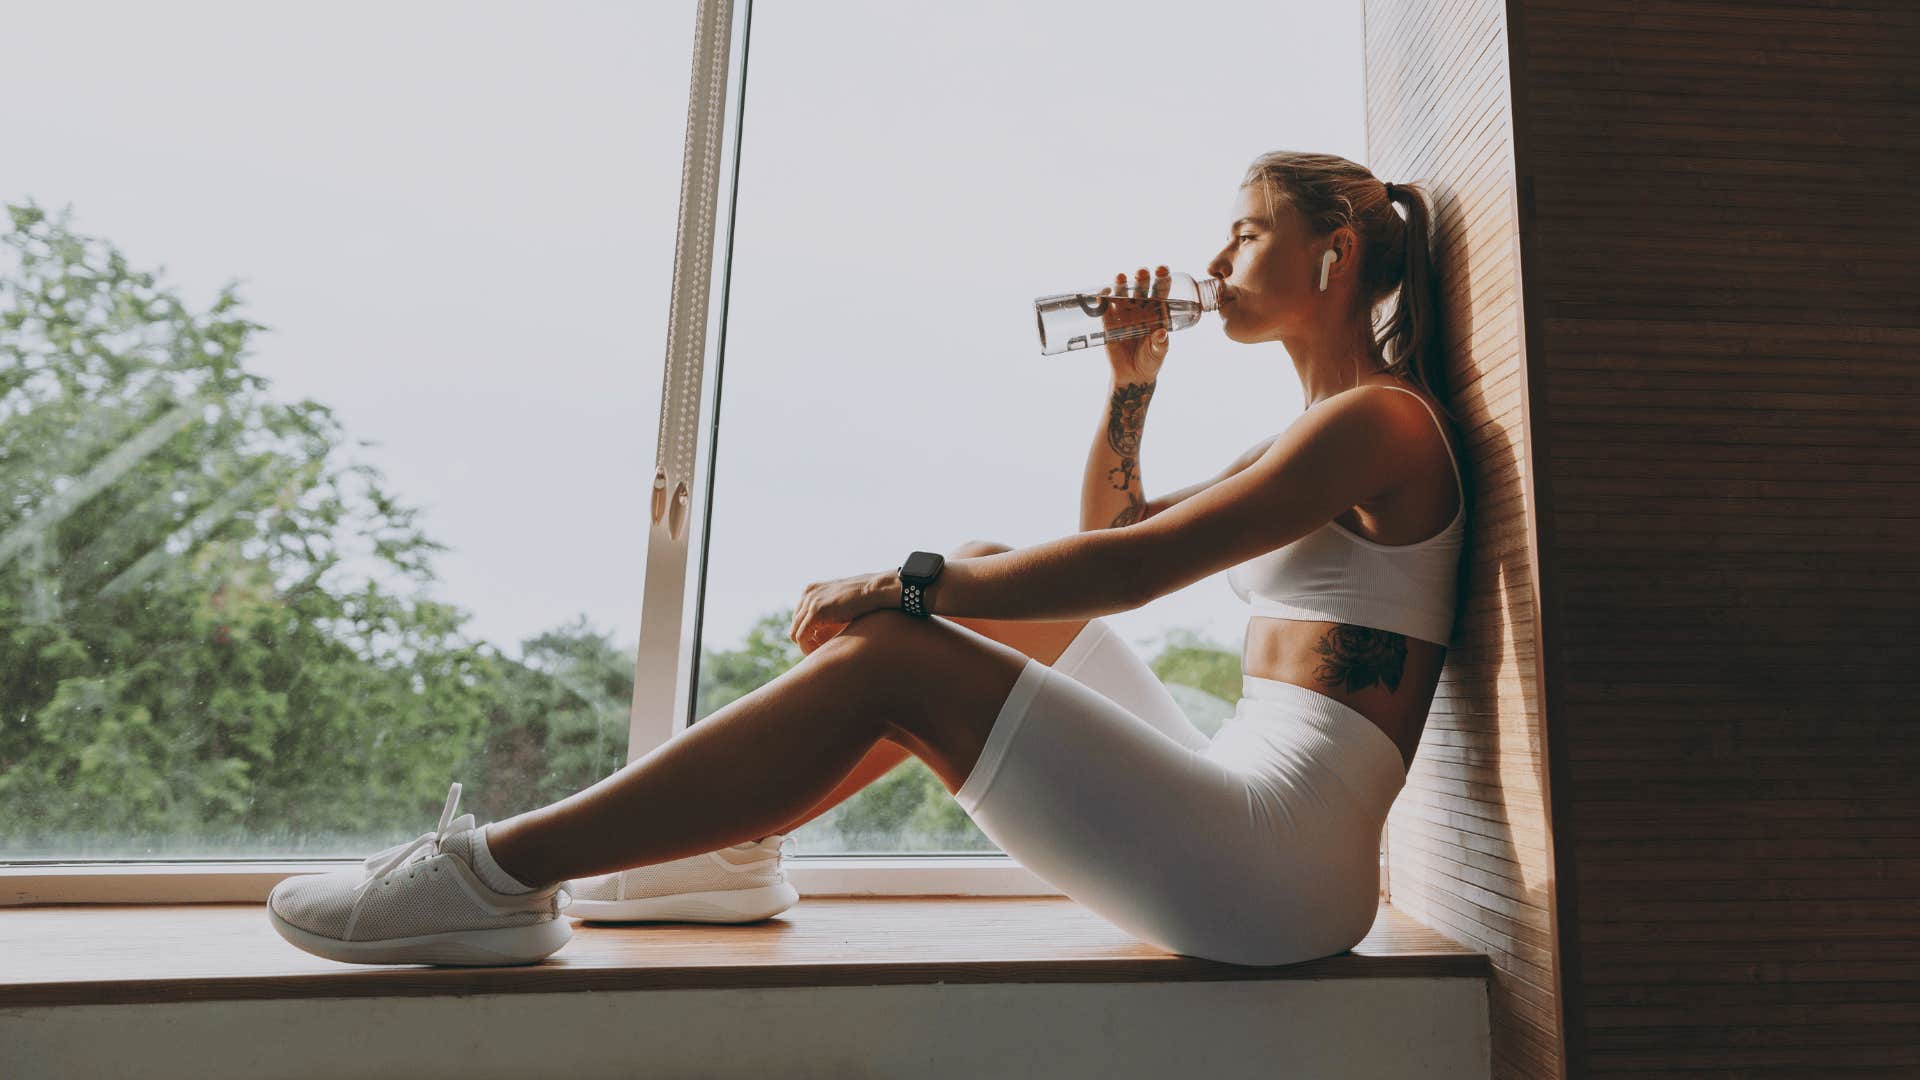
[438,899]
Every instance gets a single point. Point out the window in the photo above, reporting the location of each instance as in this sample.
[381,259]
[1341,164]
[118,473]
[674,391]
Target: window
[909,179]
[277,563]
[268,588]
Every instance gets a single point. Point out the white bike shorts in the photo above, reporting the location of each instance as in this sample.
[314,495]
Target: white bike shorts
[1260,845]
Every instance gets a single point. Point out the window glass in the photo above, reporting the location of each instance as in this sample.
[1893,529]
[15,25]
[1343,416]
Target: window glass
[911,178]
[329,382]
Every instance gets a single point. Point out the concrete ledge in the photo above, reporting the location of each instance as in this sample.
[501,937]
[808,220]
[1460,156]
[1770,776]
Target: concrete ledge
[1376,1029]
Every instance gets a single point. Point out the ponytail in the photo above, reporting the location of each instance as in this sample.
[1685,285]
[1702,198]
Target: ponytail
[1409,343]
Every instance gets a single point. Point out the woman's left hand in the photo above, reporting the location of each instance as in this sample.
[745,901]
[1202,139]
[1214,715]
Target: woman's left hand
[828,607]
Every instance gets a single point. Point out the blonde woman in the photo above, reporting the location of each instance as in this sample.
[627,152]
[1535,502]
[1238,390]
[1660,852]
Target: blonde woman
[1341,534]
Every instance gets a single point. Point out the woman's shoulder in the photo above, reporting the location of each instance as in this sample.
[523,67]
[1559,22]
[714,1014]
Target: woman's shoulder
[1436,412]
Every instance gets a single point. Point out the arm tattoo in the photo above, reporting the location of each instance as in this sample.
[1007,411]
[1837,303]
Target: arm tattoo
[1358,657]
[1126,419]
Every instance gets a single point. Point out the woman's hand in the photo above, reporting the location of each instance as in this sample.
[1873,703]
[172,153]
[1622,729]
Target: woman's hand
[1135,322]
[828,607]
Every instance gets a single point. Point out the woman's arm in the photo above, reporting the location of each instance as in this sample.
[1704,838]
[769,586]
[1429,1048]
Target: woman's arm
[1162,502]
[1081,575]
[1111,494]
[1030,583]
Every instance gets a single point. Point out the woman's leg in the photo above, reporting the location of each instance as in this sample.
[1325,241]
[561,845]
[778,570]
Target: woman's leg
[763,760]
[1089,652]
[1042,640]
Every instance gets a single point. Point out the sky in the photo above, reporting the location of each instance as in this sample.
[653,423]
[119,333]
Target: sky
[458,219]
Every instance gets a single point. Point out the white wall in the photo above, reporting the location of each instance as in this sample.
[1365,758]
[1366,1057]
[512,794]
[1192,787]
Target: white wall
[1300,1029]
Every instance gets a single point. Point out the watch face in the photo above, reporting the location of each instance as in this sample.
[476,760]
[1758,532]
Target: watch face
[920,566]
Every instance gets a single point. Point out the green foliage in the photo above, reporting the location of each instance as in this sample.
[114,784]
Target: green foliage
[1189,660]
[187,671]
[766,654]
[180,668]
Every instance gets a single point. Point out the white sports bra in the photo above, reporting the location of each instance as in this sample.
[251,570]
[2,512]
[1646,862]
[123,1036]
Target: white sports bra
[1335,575]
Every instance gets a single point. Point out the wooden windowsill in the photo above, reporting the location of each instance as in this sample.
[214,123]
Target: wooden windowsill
[93,954]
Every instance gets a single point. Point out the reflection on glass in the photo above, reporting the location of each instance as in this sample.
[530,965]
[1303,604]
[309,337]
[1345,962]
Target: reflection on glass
[274,571]
[184,671]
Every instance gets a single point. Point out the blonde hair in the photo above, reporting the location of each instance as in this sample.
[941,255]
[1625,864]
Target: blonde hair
[1396,256]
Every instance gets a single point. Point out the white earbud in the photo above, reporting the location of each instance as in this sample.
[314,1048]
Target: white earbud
[1326,261]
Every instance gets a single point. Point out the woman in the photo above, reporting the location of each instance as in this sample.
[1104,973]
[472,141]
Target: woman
[1258,846]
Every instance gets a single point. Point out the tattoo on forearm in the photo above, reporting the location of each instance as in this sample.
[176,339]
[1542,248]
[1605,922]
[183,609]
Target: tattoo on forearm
[1358,657]
[1128,413]
[1126,419]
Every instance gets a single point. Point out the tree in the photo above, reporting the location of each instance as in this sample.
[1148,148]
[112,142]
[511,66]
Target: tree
[181,666]
[187,666]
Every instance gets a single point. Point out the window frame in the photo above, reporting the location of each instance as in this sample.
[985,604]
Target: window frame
[666,665]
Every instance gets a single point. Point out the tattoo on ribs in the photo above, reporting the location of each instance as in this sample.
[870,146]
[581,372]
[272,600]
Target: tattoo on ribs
[1359,656]
[1125,420]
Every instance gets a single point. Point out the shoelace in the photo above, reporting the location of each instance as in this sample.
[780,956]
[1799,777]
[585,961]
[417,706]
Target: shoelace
[393,858]
[464,821]
[397,856]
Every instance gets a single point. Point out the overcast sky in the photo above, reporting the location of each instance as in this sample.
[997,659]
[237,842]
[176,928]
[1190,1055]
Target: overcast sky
[458,221]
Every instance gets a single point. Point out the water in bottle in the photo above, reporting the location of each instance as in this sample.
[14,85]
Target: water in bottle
[1083,320]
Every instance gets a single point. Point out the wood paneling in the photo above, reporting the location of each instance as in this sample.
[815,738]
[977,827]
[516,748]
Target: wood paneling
[1469,843]
[1718,242]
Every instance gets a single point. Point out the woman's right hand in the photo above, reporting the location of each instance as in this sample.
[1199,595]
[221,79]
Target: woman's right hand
[1135,323]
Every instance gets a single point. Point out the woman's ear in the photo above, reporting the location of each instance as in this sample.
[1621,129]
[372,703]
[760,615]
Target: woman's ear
[1340,247]
[1348,241]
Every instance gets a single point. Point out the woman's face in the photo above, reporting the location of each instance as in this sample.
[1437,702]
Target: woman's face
[1271,268]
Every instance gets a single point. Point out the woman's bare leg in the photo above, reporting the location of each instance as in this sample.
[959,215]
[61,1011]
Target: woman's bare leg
[739,773]
[777,752]
[1044,641]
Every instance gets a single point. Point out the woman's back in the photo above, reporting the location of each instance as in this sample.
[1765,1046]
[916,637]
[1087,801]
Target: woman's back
[1361,609]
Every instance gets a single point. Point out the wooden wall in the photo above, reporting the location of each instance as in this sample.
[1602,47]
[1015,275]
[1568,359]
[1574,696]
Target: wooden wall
[1672,780]
[1469,849]
[1718,236]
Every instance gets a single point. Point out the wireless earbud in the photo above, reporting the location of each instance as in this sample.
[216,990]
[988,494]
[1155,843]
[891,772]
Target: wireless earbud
[1326,261]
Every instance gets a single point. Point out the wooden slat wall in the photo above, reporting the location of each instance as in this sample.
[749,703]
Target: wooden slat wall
[1722,322]
[1468,848]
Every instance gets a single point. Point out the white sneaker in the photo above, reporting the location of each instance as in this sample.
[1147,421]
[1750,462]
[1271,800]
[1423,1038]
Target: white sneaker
[419,903]
[743,883]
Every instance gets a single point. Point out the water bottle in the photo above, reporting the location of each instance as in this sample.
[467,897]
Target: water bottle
[1083,320]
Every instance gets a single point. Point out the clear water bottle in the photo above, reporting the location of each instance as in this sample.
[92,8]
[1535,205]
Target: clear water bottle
[1084,320]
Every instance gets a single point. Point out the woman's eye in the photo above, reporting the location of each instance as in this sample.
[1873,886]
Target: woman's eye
[1243,237]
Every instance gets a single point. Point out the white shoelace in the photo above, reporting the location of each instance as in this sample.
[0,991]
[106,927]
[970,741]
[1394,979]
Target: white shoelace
[393,858]
[464,821]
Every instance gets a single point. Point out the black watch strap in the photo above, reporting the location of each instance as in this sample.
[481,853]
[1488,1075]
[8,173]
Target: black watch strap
[913,600]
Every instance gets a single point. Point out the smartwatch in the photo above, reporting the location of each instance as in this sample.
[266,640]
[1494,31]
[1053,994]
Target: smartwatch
[918,572]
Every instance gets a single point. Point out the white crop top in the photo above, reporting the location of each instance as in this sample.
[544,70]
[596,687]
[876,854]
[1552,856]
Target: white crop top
[1335,575]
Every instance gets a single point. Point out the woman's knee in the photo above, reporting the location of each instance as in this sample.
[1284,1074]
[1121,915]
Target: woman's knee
[973,549]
